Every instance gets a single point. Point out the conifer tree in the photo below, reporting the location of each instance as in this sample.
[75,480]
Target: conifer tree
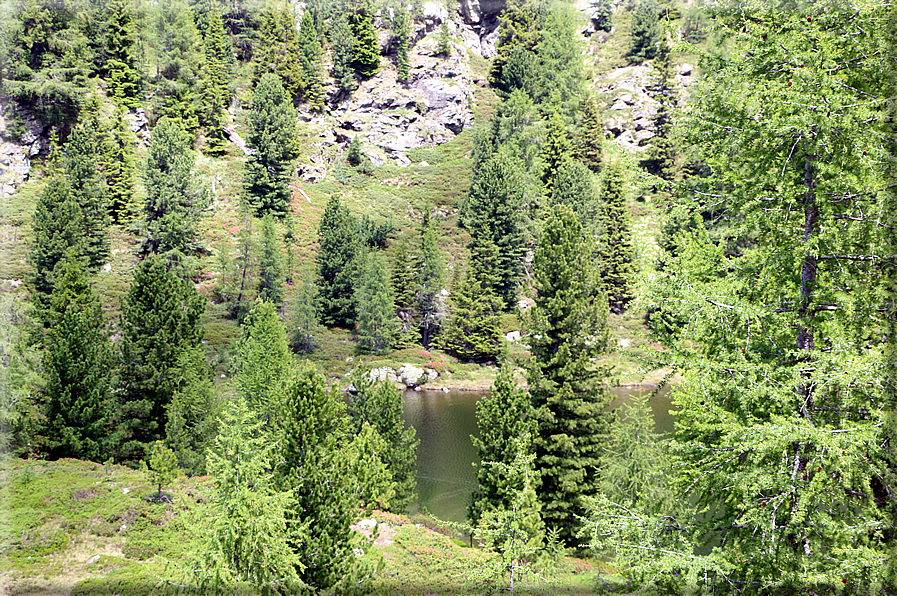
[402,27]
[277,52]
[492,215]
[192,421]
[311,53]
[573,187]
[180,60]
[644,30]
[503,417]
[272,134]
[473,331]
[366,53]
[374,486]
[214,93]
[556,149]
[56,227]
[87,186]
[336,262]
[445,39]
[78,370]
[122,75]
[429,281]
[270,267]
[404,289]
[306,328]
[173,199]
[343,43]
[264,364]
[616,253]
[661,155]
[121,171]
[380,405]
[590,140]
[566,328]
[159,320]
[376,323]
[311,465]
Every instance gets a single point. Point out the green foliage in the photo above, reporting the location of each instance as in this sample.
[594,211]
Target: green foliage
[645,31]
[19,376]
[590,140]
[213,92]
[373,480]
[174,201]
[121,171]
[404,286]
[567,327]
[573,187]
[310,464]
[556,149]
[473,331]
[122,75]
[179,62]
[160,467]
[375,323]
[192,421]
[402,28]
[343,43]
[602,12]
[380,405]
[159,320]
[264,364]
[277,52]
[87,186]
[616,253]
[353,152]
[247,538]
[56,228]
[430,309]
[518,29]
[311,53]
[336,265]
[505,417]
[445,39]
[366,53]
[270,266]
[306,328]
[77,366]
[272,134]
[492,215]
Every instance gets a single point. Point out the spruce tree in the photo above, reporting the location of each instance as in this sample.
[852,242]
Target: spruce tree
[264,364]
[492,215]
[174,201]
[159,320]
[56,227]
[566,329]
[87,186]
[503,417]
[336,262]
[277,52]
[366,53]
[404,290]
[311,53]
[380,405]
[122,75]
[121,172]
[374,486]
[375,325]
[343,43]
[272,134]
[645,31]
[573,187]
[214,93]
[77,366]
[445,39]
[590,141]
[618,266]
[429,281]
[270,266]
[310,464]
[556,149]
[402,27]
[473,331]
[192,415]
[660,159]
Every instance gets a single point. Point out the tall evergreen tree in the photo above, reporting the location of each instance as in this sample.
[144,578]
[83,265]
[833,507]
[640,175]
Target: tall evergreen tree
[272,134]
[404,289]
[311,465]
[56,227]
[343,43]
[380,405]
[366,53]
[556,148]
[264,364]
[214,93]
[402,26]
[311,53]
[661,155]
[122,75]
[336,262]
[503,417]
[277,51]
[492,215]
[192,415]
[429,281]
[566,329]
[159,320]
[77,363]
[473,331]
[616,253]
[644,31]
[376,323]
[270,267]
[121,171]
[173,199]
[306,328]
[87,186]
[590,140]
[573,187]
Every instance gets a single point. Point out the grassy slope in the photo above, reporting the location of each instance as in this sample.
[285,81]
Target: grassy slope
[73,527]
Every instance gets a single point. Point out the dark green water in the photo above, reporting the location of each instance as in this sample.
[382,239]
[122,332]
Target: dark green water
[445,458]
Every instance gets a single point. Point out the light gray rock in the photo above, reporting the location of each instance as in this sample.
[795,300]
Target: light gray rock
[685,69]
[412,376]
[642,137]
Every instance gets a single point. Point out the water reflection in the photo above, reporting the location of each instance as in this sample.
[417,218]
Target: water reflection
[446,474]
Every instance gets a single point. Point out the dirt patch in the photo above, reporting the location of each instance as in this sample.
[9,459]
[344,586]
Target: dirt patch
[385,532]
[84,493]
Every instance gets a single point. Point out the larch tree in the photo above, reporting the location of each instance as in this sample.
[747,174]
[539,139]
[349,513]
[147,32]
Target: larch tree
[311,55]
[270,263]
[429,281]
[556,149]
[782,457]
[376,324]
[277,51]
[192,422]
[566,329]
[87,186]
[272,134]
[122,74]
[337,265]
[159,320]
